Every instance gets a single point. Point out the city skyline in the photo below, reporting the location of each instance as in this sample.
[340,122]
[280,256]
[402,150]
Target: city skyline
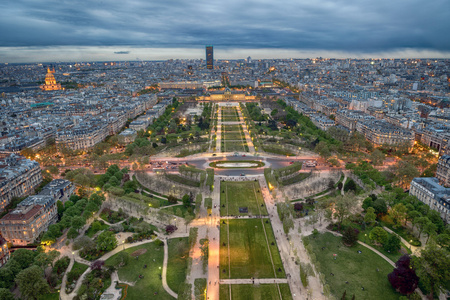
[68,31]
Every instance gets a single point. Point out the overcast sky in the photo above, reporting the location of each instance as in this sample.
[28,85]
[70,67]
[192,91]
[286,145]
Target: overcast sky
[32,30]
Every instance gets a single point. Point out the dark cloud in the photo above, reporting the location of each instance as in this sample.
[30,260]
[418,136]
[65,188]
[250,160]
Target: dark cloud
[121,52]
[344,25]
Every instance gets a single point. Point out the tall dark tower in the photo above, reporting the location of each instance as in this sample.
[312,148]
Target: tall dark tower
[209,57]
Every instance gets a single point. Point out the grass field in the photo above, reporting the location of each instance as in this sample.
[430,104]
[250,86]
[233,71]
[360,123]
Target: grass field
[151,283]
[175,210]
[234,147]
[360,270]
[230,118]
[177,264]
[248,250]
[51,296]
[241,194]
[228,128]
[234,135]
[255,292]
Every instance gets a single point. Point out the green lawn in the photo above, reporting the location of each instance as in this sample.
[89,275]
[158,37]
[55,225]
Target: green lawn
[151,282]
[230,118]
[241,194]
[228,128]
[234,135]
[360,270]
[177,264]
[248,248]
[175,210]
[234,147]
[51,296]
[255,292]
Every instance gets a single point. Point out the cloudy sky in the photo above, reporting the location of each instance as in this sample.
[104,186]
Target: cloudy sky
[68,30]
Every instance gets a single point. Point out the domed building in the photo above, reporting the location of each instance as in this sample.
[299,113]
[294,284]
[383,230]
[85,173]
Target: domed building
[50,82]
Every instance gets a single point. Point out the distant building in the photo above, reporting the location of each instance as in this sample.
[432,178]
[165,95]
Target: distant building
[380,132]
[428,191]
[443,170]
[50,82]
[18,177]
[209,57]
[59,189]
[29,219]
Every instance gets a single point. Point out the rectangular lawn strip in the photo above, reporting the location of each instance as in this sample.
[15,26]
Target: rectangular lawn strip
[241,194]
[177,263]
[224,292]
[229,118]
[359,269]
[279,269]
[254,292]
[285,291]
[249,252]
[151,283]
[233,135]
[228,128]
[234,147]
[223,251]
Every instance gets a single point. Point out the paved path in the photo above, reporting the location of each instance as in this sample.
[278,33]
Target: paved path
[164,271]
[214,243]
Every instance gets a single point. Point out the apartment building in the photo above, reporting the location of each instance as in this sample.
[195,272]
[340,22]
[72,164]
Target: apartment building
[429,191]
[443,170]
[380,132]
[18,177]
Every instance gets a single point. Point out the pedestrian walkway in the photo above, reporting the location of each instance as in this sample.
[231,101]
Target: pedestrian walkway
[253,281]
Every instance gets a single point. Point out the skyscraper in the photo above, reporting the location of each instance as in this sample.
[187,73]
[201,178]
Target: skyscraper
[209,57]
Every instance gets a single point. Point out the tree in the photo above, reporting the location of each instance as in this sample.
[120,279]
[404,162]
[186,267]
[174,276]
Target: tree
[5,294]
[24,257]
[28,153]
[350,236]
[72,233]
[405,172]
[342,207]
[171,229]
[350,185]
[378,235]
[298,206]
[380,206]
[46,258]
[422,223]
[433,268]
[443,240]
[392,244]
[78,222]
[186,200]
[398,212]
[403,278]
[430,229]
[377,157]
[172,199]
[97,265]
[32,283]
[370,216]
[106,241]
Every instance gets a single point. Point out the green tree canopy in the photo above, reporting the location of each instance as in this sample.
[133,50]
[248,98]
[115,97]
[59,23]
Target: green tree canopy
[32,283]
